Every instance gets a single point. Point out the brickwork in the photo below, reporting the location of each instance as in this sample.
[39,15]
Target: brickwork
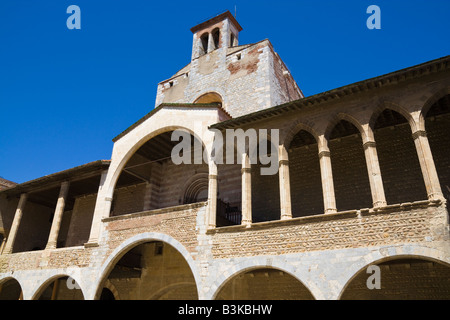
[83,211]
[344,230]
[254,77]
[180,224]
[34,228]
[404,280]
[306,187]
[265,284]
[351,181]
[229,184]
[265,196]
[437,131]
[371,197]
[403,182]
[164,275]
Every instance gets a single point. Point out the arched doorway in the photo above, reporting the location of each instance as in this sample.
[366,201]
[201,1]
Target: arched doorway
[406,278]
[61,288]
[10,289]
[264,284]
[153,270]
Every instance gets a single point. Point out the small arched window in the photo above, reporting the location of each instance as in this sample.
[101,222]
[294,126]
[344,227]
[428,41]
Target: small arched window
[210,97]
[196,189]
[204,44]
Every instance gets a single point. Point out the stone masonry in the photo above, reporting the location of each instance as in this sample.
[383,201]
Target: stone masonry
[363,179]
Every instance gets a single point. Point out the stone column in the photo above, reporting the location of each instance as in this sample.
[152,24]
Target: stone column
[212,196]
[246,191]
[102,206]
[375,179]
[285,185]
[2,245]
[211,46]
[16,222]
[426,161]
[329,199]
[57,217]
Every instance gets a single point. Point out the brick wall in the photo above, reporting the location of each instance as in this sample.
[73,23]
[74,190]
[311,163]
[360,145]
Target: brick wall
[264,284]
[265,195]
[399,164]
[333,231]
[306,182]
[163,275]
[80,224]
[439,138]
[34,227]
[248,79]
[175,182]
[179,223]
[411,279]
[229,184]
[350,176]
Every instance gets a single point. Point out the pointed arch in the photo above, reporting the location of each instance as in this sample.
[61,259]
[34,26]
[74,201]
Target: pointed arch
[346,137]
[296,128]
[339,117]
[397,154]
[395,107]
[429,103]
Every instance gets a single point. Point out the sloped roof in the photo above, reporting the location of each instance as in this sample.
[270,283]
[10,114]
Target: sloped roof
[416,71]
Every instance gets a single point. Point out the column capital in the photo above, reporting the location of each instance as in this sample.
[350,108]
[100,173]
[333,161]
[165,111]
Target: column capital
[418,134]
[324,153]
[369,144]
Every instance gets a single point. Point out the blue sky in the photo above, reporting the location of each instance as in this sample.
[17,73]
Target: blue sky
[64,94]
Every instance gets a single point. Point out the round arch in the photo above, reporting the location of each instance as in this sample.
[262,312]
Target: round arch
[42,288]
[385,255]
[14,290]
[133,149]
[135,241]
[195,187]
[213,92]
[112,289]
[254,264]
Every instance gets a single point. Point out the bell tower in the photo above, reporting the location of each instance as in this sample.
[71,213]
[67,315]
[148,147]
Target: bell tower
[220,32]
[244,78]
